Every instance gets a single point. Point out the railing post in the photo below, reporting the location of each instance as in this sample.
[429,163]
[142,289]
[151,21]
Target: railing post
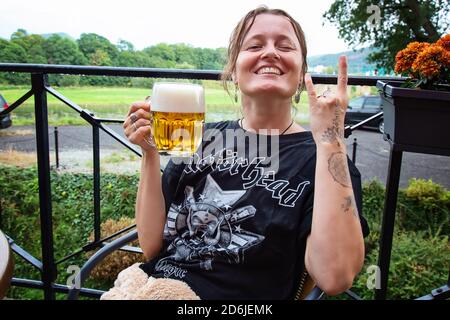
[355,145]
[38,82]
[387,224]
[56,147]
[96,156]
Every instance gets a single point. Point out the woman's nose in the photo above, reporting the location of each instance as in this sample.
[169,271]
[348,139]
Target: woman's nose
[270,51]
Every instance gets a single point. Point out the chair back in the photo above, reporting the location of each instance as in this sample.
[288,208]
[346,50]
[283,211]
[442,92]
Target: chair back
[6,265]
[306,285]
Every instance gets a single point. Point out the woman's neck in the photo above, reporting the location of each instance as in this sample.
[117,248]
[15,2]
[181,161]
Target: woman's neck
[265,114]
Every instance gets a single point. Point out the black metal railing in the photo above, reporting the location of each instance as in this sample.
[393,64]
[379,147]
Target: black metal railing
[39,89]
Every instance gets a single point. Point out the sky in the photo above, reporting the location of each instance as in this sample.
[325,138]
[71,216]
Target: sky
[200,23]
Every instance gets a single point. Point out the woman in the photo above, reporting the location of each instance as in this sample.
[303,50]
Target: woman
[236,230]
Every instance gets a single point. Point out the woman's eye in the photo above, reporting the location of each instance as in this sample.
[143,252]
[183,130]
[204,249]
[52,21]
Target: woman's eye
[255,46]
[286,48]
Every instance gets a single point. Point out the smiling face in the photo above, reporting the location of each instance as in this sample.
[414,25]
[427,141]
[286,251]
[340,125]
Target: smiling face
[269,62]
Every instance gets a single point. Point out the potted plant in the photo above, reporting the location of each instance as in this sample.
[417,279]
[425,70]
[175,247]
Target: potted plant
[417,112]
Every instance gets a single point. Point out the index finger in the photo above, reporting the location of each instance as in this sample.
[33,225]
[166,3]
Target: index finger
[312,96]
[342,75]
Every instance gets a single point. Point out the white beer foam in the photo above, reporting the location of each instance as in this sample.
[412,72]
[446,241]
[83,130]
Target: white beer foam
[178,97]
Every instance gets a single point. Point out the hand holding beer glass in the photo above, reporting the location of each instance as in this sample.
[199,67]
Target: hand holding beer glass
[172,122]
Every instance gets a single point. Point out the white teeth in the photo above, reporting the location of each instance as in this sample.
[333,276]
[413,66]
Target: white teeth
[270,70]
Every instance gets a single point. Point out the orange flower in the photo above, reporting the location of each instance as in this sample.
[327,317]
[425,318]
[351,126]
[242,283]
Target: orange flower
[431,60]
[444,42]
[406,57]
[427,65]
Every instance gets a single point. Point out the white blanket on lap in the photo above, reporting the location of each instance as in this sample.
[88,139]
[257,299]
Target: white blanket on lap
[133,283]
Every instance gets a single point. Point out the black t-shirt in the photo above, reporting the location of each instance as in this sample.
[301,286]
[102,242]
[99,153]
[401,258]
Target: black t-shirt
[238,216]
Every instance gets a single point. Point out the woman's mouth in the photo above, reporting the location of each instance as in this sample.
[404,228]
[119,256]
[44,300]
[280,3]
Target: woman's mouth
[269,70]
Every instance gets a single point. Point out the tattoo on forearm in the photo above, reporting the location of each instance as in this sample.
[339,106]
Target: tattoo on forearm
[349,206]
[338,169]
[333,133]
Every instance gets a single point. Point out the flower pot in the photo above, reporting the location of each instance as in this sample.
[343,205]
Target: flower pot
[417,119]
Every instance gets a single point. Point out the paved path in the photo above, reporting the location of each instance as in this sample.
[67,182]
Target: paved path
[372,157]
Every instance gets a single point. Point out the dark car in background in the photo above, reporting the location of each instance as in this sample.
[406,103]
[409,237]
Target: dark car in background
[5,120]
[363,107]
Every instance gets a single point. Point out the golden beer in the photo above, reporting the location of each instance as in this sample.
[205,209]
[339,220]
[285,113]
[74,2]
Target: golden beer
[178,111]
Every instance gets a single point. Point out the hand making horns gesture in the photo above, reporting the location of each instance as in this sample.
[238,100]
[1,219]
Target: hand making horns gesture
[327,111]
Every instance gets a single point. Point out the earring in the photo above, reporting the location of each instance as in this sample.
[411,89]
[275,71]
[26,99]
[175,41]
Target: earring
[236,91]
[297,95]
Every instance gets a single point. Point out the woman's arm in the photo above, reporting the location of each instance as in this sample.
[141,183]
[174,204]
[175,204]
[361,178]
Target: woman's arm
[335,248]
[150,205]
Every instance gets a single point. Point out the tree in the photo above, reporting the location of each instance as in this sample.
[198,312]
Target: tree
[32,44]
[163,51]
[60,50]
[209,59]
[184,54]
[93,49]
[126,59]
[124,45]
[100,58]
[19,34]
[133,59]
[400,22]
[89,43]
[330,70]
[11,52]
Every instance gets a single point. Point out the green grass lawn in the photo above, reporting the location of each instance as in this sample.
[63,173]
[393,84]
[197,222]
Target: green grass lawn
[114,102]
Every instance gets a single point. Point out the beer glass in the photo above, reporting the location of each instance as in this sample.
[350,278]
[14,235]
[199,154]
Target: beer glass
[178,111]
